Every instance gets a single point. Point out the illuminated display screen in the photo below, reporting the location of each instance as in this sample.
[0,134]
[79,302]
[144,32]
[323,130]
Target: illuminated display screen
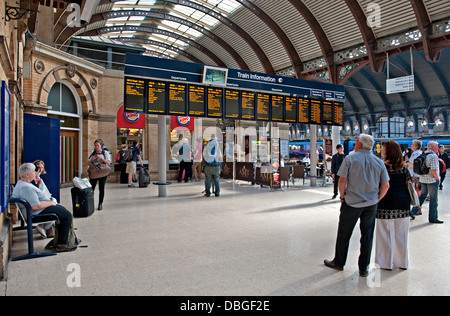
[196,101]
[215,102]
[262,106]
[278,108]
[327,113]
[291,110]
[338,116]
[156,97]
[316,113]
[134,95]
[304,106]
[180,99]
[248,105]
[231,104]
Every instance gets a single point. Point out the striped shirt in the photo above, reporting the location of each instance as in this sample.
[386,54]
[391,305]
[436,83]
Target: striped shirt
[432,163]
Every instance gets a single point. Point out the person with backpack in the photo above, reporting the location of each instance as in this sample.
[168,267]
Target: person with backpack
[213,161]
[427,166]
[131,156]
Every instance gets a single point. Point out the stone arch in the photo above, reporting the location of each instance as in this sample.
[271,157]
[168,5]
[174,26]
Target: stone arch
[68,73]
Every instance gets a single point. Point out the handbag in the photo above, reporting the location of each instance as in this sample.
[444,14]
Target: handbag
[413,194]
[98,171]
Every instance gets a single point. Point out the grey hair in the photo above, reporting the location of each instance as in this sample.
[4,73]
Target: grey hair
[432,144]
[367,141]
[418,143]
[26,168]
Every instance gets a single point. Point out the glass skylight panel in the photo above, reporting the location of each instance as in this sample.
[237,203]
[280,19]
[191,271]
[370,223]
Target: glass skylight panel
[223,7]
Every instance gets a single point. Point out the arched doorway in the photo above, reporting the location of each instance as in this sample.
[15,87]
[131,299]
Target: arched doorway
[66,106]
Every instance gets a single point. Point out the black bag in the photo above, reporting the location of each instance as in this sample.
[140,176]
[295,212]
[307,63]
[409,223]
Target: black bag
[82,202]
[129,155]
[144,178]
[420,166]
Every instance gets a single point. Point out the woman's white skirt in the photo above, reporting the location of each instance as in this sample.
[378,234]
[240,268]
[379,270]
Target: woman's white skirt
[392,243]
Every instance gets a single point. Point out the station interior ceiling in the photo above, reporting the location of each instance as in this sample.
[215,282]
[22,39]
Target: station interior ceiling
[345,42]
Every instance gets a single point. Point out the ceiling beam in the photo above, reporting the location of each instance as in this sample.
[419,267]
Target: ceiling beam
[376,64]
[161,16]
[144,41]
[264,60]
[296,62]
[426,29]
[151,30]
[321,36]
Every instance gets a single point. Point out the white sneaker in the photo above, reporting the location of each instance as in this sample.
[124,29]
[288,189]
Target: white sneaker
[41,231]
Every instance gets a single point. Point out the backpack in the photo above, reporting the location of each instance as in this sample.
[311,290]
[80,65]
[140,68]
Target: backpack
[420,166]
[128,155]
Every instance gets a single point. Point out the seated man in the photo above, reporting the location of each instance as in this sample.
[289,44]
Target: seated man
[41,203]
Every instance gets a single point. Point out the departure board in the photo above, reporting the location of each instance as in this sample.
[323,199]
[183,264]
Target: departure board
[156,99]
[150,96]
[232,104]
[134,95]
[177,99]
[327,113]
[316,113]
[338,117]
[215,102]
[262,106]
[291,110]
[304,106]
[277,108]
[196,101]
[248,105]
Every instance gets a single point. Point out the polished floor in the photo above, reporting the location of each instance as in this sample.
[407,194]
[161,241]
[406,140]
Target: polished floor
[248,242]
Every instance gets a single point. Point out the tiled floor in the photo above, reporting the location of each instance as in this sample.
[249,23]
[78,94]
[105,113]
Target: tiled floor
[248,242]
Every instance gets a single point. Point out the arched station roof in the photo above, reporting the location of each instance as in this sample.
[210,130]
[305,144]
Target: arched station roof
[340,41]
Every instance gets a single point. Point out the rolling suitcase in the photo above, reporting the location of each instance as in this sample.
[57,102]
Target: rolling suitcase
[82,202]
[144,178]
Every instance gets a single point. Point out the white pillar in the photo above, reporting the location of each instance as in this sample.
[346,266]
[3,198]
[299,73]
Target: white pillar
[313,155]
[162,149]
[336,137]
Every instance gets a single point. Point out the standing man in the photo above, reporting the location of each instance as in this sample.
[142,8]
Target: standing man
[443,155]
[184,153]
[131,166]
[429,183]
[336,163]
[213,161]
[363,182]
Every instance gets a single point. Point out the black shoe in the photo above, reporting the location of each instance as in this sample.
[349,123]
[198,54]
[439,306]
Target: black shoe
[332,265]
[334,196]
[437,222]
[100,206]
[364,274]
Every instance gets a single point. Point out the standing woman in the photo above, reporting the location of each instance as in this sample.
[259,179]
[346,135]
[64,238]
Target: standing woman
[393,212]
[99,156]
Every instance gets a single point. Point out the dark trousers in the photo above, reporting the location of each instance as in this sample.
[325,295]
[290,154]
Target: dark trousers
[101,187]
[65,221]
[187,167]
[336,184]
[443,174]
[347,221]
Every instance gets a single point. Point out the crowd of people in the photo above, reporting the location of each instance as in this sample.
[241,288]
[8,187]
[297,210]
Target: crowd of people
[371,190]
[375,192]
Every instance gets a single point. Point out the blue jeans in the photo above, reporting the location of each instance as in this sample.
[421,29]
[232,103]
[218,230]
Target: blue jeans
[432,189]
[212,176]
